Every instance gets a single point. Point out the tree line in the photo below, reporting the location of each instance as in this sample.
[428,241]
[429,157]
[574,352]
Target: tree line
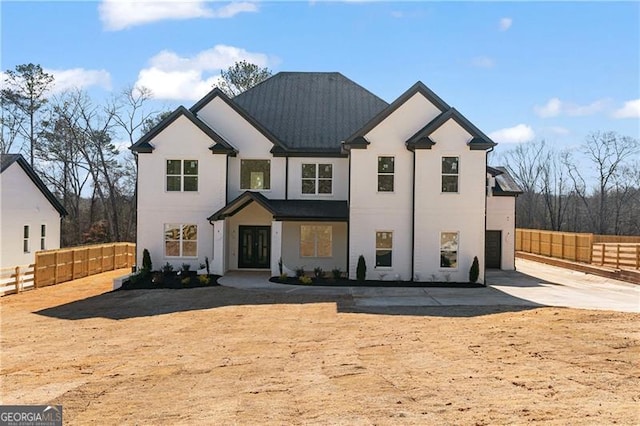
[72,141]
[594,188]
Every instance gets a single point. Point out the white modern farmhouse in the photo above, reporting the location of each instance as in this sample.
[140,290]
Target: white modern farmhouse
[29,213]
[313,170]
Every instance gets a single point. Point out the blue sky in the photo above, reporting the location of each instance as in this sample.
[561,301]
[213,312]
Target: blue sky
[519,71]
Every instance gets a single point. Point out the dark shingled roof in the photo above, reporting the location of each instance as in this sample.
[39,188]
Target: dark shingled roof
[505,184]
[311,111]
[313,210]
[7,160]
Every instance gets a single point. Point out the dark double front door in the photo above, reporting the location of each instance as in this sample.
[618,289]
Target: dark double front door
[254,247]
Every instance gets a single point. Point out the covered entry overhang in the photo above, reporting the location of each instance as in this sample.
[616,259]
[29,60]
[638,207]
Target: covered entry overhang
[252,231]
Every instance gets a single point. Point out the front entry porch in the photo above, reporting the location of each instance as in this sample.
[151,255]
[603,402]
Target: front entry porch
[253,232]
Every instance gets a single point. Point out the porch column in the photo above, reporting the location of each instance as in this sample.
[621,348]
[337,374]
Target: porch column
[276,246]
[217,265]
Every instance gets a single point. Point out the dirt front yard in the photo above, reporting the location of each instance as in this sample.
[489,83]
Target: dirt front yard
[226,356]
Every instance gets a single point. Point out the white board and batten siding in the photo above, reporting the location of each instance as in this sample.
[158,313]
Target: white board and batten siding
[181,140]
[23,204]
[371,210]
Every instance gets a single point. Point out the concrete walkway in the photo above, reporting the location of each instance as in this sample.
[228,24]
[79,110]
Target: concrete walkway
[534,284]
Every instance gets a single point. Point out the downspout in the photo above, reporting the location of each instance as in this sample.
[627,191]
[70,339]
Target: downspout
[348,211]
[286,178]
[484,234]
[413,220]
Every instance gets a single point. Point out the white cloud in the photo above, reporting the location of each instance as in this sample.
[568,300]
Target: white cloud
[175,77]
[631,109]
[482,62]
[515,134]
[555,107]
[79,78]
[117,15]
[505,24]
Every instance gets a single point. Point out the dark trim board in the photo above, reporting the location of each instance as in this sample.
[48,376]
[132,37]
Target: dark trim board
[8,159]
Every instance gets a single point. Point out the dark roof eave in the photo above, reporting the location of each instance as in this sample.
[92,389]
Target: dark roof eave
[311,218]
[215,93]
[36,181]
[418,87]
[143,145]
[221,149]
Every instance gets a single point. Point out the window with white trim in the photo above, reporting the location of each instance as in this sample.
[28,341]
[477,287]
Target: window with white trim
[450,171]
[255,174]
[448,249]
[25,241]
[317,178]
[43,236]
[182,175]
[384,249]
[315,241]
[180,240]
[385,174]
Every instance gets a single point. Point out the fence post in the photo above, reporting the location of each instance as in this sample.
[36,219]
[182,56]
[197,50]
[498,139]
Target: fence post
[56,261]
[575,248]
[637,256]
[17,279]
[617,255]
[602,255]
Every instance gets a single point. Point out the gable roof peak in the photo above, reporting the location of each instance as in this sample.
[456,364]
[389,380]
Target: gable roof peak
[7,160]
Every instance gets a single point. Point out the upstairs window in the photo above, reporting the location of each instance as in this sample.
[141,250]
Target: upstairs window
[255,174]
[25,236]
[43,236]
[317,178]
[385,174]
[182,175]
[384,249]
[450,171]
[315,241]
[180,240]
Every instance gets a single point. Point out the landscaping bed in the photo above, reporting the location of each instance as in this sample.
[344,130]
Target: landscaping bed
[175,280]
[344,282]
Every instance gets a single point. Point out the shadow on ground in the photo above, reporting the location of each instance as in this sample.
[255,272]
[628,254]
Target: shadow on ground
[514,279]
[119,305]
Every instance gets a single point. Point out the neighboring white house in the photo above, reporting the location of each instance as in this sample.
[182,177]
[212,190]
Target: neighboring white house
[29,213]
[314,170]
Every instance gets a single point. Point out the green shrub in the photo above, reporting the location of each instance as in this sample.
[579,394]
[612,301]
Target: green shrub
[204,279]
[336,273]
[157,278]
[185,267]
[280,266]
[300,272]
[206,264]
[361,270]
[305,280]
[474,272]
[318,272]
[146,260]
[283,277]
[167,269]
[185,280]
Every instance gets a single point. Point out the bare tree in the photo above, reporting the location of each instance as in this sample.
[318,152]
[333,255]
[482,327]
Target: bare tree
[524,164]
[554,187]
[607,152]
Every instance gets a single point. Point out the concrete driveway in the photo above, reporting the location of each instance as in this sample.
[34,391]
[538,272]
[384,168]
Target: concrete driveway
[534,284]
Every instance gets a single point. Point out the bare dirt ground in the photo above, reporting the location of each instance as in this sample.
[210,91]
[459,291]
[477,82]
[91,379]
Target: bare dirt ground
[226,356]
